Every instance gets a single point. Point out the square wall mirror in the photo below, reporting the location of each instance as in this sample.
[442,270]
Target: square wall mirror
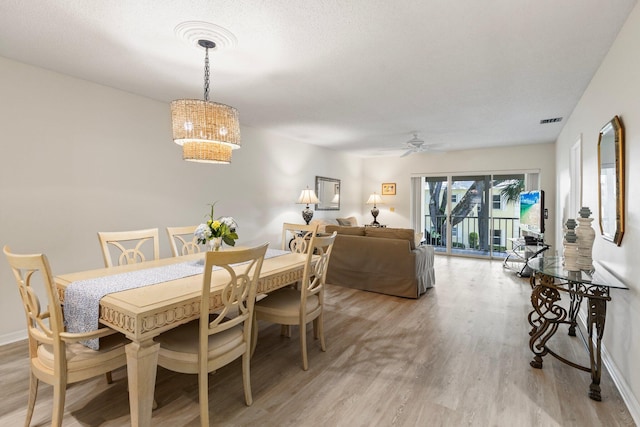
[328,192]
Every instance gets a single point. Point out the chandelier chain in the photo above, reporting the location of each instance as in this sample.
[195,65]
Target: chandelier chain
[206,74]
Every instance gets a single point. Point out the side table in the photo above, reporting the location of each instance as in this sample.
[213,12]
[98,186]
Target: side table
[549,282]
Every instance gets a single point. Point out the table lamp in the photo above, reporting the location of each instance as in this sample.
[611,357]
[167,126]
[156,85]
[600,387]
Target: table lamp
[374,199]
[307,197]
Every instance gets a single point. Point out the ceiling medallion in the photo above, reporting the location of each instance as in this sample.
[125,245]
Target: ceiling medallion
[191,32]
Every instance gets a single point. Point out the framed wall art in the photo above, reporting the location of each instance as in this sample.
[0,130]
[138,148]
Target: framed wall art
[388,188]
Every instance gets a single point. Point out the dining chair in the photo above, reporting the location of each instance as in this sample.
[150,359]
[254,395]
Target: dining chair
[122,239]
[57,357]
[184,237]
[291,306]
[296,237]
[216,340]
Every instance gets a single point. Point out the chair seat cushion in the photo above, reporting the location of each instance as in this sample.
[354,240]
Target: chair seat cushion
[285,302]
[80,357]
[182,343]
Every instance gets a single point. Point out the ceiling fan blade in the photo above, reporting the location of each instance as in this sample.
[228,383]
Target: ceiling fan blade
[406,153]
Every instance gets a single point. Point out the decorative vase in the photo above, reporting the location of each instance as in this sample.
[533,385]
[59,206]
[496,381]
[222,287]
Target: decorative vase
[586,235]
[570,247]
[215,243]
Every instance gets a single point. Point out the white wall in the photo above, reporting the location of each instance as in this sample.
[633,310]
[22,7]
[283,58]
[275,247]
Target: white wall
[490,160]
[614,90]
[78,158]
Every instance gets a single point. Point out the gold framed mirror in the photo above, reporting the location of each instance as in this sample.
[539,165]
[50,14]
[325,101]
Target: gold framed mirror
[611,180]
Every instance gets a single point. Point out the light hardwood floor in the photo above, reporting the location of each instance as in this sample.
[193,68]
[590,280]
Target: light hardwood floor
[457,356]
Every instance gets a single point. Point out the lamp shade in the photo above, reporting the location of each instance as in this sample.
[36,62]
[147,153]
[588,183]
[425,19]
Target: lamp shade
[206,152]
[374,199]
[308,197]
[195,120]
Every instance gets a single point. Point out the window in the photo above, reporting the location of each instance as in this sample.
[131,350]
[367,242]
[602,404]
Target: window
[497,237]
[497,202]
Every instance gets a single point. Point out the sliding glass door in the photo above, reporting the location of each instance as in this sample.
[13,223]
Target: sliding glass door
[470,212]
[473,215]
[505,210]
[435,208]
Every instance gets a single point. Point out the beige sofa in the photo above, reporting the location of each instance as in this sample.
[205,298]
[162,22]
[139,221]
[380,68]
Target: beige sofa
[383,260]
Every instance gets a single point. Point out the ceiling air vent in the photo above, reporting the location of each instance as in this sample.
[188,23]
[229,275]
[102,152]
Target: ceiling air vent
[554,120]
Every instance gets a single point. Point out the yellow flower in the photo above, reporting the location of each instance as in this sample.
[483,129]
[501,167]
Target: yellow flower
[224,227]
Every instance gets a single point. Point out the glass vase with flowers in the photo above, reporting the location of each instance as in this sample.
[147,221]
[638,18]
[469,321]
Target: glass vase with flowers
[216,231]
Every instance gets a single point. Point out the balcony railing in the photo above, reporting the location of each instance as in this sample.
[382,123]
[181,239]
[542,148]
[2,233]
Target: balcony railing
[466,235]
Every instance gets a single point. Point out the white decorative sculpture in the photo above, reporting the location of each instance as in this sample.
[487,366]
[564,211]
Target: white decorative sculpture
[570,247]
[586,235]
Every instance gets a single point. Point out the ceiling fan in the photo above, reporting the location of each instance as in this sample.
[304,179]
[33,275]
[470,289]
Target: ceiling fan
[415,145]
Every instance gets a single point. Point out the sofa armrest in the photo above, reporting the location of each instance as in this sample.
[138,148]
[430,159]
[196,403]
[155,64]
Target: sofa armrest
[425,272]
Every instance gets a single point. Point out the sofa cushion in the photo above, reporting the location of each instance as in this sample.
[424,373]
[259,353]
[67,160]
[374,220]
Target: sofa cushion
[348,222]
[323,223]
[353,231]
[392,233]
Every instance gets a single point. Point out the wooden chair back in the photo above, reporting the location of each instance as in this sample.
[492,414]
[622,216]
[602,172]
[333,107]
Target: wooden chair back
[296,237]
[56,356]
[315,275]
[129,244]
[44,321]
[182,240]
[241,270]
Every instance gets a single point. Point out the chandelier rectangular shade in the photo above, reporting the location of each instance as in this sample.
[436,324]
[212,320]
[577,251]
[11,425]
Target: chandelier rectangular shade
[308,197]
[206,152]
[195,120]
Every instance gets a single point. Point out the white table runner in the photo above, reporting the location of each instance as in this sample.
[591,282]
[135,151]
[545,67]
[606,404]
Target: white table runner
[82,298]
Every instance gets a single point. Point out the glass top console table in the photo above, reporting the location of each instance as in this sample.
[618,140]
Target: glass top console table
[548,284]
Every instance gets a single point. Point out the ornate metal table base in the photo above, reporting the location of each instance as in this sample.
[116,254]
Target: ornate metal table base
[547,315]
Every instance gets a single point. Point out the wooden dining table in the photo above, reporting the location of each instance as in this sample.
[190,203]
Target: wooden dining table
[144,313]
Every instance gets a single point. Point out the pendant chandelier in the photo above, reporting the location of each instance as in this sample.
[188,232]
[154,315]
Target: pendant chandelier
[207,131]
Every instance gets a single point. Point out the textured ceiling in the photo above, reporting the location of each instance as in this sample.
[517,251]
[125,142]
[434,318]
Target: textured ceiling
[357,75]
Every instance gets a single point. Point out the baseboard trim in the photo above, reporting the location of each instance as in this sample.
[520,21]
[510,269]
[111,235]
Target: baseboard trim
[13,337]
[618,378]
